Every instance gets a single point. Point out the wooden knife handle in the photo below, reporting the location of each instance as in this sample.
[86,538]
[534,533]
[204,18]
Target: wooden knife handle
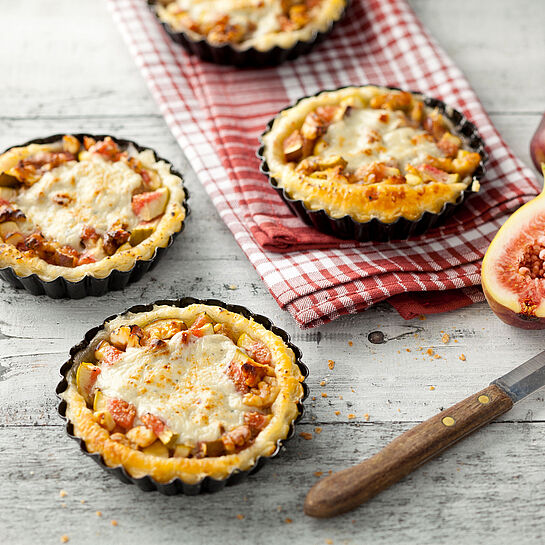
[351,487]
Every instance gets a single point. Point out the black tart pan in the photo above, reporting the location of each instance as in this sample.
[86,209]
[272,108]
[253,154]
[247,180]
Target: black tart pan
[60,288]
[177,486]
[374,229]
[251,57]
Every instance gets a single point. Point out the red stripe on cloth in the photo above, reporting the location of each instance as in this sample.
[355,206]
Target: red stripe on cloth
[216,113]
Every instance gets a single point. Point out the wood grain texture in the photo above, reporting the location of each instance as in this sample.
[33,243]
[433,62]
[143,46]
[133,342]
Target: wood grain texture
[66,69]
[344,491]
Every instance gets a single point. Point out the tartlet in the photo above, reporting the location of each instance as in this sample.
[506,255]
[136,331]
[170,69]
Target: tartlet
[183,396]
[84,214]
[372,163]
[248,32]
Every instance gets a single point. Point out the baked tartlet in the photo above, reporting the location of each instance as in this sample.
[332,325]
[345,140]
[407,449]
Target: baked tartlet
[83,214]
[372,163]
[183,396]
[248,32]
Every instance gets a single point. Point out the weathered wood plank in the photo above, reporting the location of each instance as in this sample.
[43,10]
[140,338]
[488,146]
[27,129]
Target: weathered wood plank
[472,493]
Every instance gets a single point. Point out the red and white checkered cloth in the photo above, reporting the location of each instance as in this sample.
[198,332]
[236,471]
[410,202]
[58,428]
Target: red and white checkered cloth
[216,113]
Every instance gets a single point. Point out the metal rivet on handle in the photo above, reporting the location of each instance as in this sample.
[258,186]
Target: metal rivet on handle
[448,421]
[484,399]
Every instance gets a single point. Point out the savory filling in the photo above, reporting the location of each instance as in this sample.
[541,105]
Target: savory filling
[74,203]
[393,139]
[239,21]
[177,390]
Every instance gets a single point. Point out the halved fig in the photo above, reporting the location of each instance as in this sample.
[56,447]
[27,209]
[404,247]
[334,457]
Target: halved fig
[86,376]
[127,336]
[255,349]
[107,354]
[513,271]
[159,428]
[151,204]
[164,329]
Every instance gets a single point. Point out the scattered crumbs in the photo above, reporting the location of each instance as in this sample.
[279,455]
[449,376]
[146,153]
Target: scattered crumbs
[351,416]
[341,397]
[313,398]
[366,416]
[306,435]
[318,429]
[99,513]
[399,351]
[65,539]
[408,349]
[399,410]
[233,287]
[437,356]
[354,391]
[240,516]
[429,352]
[329,541]
[421,317]
[445,338]
[288,521]
[62,493]
[432,388]
[318,473]
[324,394]
[455,340]
[82,501]
[331,364]
[63,505]
[322,383]
[463,357]
[337,413]
[114,522]
[350,343]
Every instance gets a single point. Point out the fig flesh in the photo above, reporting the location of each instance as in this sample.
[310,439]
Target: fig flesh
[513,271]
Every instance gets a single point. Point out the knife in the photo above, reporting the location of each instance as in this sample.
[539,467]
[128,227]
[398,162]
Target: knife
[345,490]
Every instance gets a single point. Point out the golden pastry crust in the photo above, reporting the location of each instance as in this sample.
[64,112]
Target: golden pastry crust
[191,470]
[233,22]
[407,161]
[25,261]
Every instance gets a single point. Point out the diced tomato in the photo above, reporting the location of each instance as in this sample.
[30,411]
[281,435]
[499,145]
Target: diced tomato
[154,423]
[122,412]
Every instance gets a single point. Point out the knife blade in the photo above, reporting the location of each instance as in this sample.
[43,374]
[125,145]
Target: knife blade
[346,489]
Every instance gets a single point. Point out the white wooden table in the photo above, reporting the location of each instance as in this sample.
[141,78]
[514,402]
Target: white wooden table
[65,68]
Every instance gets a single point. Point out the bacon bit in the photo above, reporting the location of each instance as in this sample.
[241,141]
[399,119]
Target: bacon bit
[318,473]
[331,364]
[432,388]
[324,394]
[463,357]
[306,435]
[114,522]
[65,539]
[366,416]
[62,493]
[337,413]
[240,516]
[318,429]
[351,416]
[445,338]
[350,343]
[288,521]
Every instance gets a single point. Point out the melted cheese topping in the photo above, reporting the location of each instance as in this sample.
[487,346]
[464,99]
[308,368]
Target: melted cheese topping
[186,385]
[353,138]
[98,194]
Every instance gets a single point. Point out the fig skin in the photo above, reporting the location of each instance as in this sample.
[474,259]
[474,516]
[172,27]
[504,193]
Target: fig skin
[504,301]
[537,145]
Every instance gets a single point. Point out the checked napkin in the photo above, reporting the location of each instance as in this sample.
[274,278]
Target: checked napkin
[217,113]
